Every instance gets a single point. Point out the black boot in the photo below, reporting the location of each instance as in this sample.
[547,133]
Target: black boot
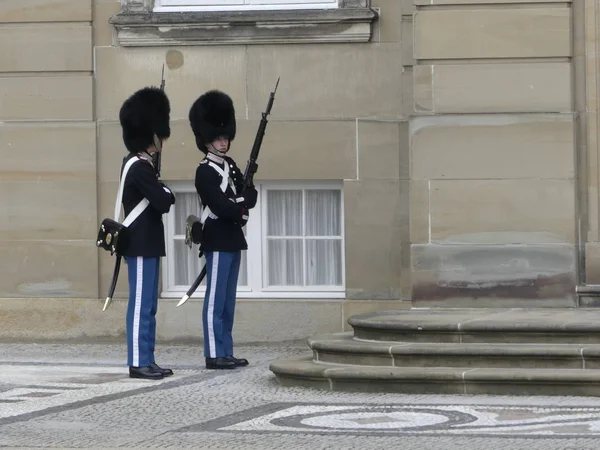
[219,363]
[239,362]
[165,372]
[147,373]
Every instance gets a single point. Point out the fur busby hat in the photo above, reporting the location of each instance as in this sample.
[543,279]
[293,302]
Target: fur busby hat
[145,114]
[212,115]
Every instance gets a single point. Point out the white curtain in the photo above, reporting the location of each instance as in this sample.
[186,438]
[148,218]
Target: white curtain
[323,213]
[187,263]
[304,238]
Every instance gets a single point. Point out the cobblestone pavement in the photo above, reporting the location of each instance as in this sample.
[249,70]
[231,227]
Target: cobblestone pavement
[78,396]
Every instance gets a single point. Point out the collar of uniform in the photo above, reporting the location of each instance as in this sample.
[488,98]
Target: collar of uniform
[215,158]
[145,156]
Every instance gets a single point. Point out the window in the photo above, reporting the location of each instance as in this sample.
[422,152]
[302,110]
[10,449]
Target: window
[295,243]
[152,23]
[237,5]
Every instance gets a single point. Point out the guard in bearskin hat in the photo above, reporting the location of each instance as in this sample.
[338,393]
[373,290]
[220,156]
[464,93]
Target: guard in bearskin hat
[144,119]
[225,210]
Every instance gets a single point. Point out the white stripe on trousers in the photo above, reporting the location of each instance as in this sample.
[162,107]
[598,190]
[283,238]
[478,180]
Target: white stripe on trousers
[135,334]
[211,306]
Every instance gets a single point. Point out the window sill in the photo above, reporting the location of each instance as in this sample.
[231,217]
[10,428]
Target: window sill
[244,27]
[199,295]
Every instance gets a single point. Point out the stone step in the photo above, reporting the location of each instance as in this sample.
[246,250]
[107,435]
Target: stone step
[576,326]
[305,372]
[343,348]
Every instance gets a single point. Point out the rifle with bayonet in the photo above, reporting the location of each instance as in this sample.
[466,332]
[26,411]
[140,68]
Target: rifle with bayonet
[156,157]
[248,182]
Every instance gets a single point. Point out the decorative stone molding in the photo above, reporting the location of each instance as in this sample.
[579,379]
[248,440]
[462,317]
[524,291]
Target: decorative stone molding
[138,25]
[132,6]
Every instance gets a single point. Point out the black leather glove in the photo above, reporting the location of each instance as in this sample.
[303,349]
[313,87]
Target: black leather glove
[197,232]
[166,189]
[245,216]
[250,196]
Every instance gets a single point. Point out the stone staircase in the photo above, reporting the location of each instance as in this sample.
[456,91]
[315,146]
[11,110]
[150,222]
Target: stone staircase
[459,351]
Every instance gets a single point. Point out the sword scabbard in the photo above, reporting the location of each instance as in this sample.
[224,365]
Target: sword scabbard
[193,288]
[113,283]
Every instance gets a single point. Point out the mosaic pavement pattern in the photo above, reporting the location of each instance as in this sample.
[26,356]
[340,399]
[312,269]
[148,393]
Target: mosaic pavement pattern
[81,397]
[31,390]
[475,420]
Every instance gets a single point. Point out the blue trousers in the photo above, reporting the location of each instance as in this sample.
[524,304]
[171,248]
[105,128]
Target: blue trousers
[141,310]
[222,270]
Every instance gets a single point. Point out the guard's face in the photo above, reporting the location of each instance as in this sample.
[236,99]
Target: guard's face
[221,144]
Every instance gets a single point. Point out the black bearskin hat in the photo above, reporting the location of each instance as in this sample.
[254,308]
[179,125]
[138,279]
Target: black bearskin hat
[143,115]
[212,115]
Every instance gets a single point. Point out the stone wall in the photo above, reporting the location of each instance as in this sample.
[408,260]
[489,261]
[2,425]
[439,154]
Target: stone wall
[341,114]
[587,101]
[493,191]
[48,150]
[465,135]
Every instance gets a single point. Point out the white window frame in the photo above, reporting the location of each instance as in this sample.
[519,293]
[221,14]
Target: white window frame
[241,5]
[256,232]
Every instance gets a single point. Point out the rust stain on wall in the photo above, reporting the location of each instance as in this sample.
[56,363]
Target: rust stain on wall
[174,59]
[557,286]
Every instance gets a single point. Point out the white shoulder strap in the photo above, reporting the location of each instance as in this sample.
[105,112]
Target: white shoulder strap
[223,172]
[206,212]
[139,208]
[135,212]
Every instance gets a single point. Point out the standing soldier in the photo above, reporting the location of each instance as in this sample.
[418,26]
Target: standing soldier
[225,211]
[144,118]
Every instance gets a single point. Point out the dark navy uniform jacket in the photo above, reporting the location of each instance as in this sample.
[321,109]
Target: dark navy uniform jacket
[146,235]
[223,233]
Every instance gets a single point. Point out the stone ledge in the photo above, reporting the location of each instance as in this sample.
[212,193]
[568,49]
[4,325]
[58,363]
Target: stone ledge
[244,27]
[302,371]
[535,325]
[342,348]
[82,320]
